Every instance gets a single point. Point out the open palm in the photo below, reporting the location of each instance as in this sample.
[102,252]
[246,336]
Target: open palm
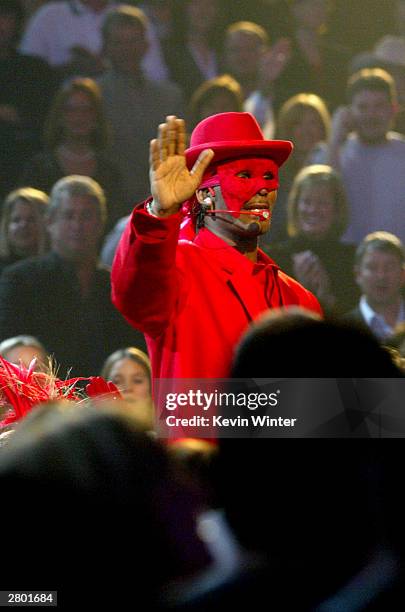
[171,181]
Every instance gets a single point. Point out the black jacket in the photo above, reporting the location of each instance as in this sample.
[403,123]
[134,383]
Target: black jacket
[40,296]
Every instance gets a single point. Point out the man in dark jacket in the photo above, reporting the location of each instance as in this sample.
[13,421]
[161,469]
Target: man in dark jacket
[380,274]
[63,297]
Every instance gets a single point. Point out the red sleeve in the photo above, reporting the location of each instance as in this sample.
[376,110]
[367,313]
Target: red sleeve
[294,293]
[144,278]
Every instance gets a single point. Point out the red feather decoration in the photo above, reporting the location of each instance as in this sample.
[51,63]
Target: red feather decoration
[23,388]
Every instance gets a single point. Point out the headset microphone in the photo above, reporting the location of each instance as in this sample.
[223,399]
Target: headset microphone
[208,208]
[262,214]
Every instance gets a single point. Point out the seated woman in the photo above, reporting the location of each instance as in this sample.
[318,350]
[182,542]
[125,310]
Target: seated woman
[314,255]
[76,135]
[306,121]
[22,225]
[130,370]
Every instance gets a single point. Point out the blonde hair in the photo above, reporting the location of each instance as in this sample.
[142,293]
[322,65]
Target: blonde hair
[208,89]
[123,15]
[39,201]
[315,175]
[248,27]
[372,79]
[130,352]
[292,112]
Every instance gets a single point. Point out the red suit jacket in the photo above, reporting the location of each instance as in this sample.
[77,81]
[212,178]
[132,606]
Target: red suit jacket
[193,300]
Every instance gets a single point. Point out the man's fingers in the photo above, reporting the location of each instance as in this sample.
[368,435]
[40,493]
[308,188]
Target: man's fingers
[171,135]
[154,155]
[202,163]
[181,136]
[163,141]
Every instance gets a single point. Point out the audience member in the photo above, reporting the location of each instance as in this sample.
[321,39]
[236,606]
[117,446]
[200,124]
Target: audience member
[369,156]
[314,522]
[388,54]
[125,499]
[76,138]
[273,15]
[307,346]
[161,26]
[315,63]
[63,297]
[249,58]
[305,120]
[129,369]
[219,95]
[314,254]
[66,34]
[22,350]
[380,274]
[23,98]
[22,225]
[193,55]
[134,104]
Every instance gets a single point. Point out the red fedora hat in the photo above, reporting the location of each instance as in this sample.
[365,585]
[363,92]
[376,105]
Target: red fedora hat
[233,135]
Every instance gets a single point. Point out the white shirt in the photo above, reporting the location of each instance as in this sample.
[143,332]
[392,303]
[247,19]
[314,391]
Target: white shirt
[376,322]
[58,26]
[153,63]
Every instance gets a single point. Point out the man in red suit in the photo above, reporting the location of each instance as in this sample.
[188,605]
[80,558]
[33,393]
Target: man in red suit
[193,288]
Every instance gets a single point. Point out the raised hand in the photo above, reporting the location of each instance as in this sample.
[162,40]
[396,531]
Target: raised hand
[342,125]
[171,181]
[274,61]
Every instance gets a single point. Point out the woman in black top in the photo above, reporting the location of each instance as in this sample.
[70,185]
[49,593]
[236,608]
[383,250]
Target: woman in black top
[76,136]
[314,255]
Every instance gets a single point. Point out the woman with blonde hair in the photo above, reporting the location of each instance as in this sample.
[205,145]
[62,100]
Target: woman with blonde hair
[130,370]
[314,254]
[221,94]
[305,120]
[22,225]
[76,137]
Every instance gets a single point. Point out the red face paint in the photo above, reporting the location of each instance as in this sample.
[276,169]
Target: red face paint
[255,174]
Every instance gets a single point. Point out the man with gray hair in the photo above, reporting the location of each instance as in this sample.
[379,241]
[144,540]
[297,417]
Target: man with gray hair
[63,297]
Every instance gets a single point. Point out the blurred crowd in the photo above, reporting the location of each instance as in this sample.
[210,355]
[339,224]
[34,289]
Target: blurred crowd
[83,86]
